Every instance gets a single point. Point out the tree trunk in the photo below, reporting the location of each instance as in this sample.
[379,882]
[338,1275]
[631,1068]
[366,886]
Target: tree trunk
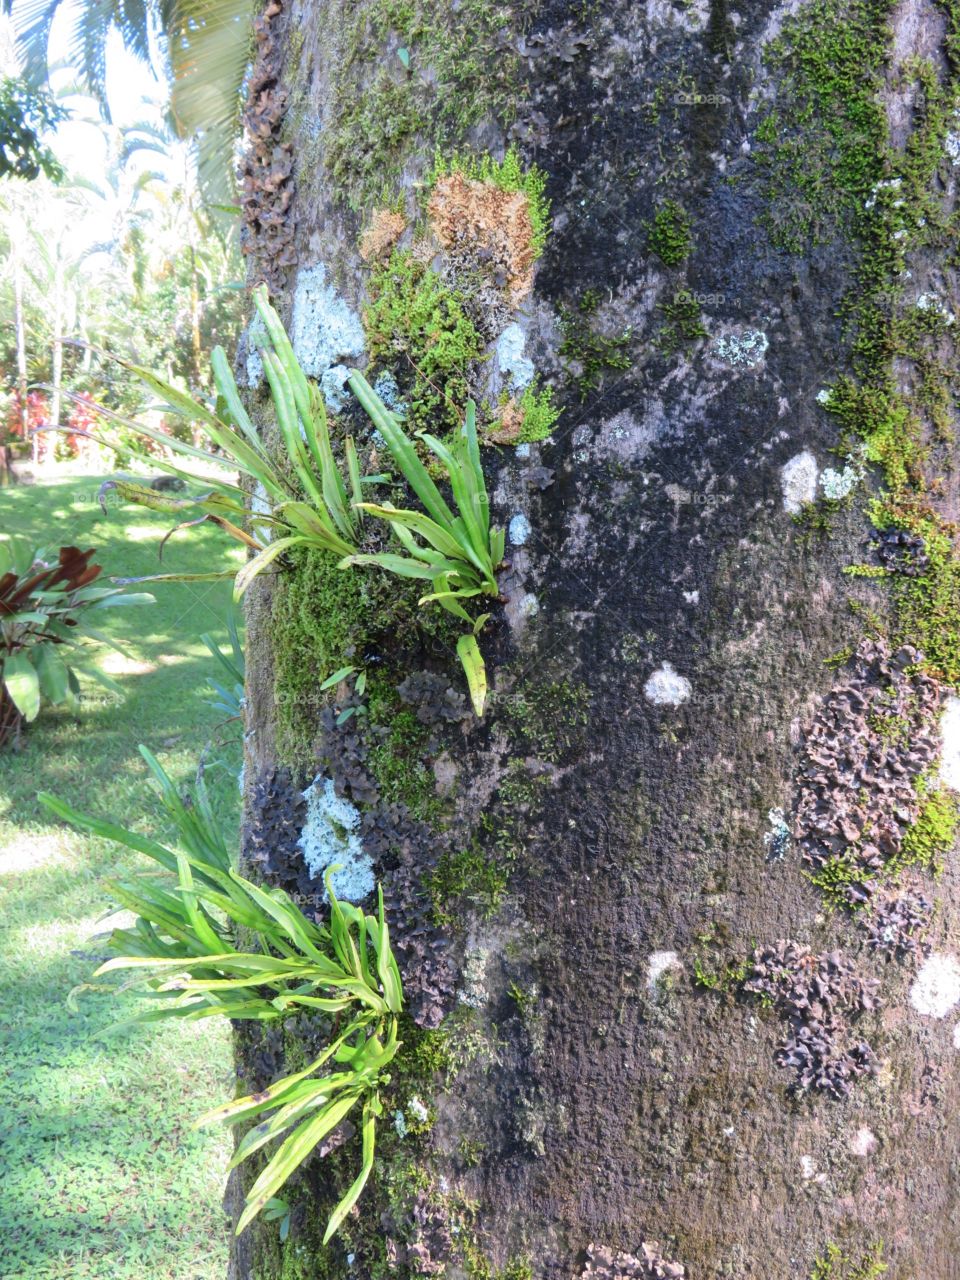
[56,355]
[656,1027]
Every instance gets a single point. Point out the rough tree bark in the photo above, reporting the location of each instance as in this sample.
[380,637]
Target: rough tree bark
[579,881]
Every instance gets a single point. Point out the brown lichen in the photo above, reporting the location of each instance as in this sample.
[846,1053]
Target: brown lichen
[266,173]
[489,224]
[507,428]
[385,229]
[873,738]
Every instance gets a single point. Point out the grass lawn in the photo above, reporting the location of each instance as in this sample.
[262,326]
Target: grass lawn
[103,1177]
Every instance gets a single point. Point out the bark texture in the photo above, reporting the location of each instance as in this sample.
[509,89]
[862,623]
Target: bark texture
[604,1079]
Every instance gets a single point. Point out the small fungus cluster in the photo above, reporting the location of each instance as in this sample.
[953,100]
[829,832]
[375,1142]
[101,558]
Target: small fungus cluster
[819,996]
[649,1264]
[267,185]
[874,736]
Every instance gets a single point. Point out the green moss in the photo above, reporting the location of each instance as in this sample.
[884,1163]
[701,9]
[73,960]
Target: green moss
[397,758]
[594,353]
[417,323]
[927,606]
[538,414]
[470,874]
[683,322]
[319,611]
[934,833]
[547,718]
[822,148]
[509,175]
[835,1264]
[456,71]
[835,877]
[669,235]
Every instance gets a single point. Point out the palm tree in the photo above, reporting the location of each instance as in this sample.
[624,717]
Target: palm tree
[205,45]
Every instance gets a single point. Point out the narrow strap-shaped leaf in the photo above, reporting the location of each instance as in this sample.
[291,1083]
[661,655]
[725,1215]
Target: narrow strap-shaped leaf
[292,1153]
[260,562]
[368,1129]
[434,533]
[469,654]
[227,386]
[400,565]
[402,449]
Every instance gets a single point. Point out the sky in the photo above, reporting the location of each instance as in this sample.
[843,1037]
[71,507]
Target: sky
[135,93]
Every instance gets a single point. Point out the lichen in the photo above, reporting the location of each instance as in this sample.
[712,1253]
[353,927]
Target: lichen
[666,687]
[798,482]
[325,329]
[330,837]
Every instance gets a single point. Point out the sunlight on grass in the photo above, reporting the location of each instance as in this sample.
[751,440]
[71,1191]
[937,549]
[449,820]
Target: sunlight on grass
[27,852]
[103,1176]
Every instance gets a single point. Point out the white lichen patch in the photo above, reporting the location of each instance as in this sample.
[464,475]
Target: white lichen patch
[333,384]
[516,369]
[951,143]
[956,1036]
[930,302]
[809,1171]
[863,1143]
[838,484]
[474,991]
[798,482]
[519,530]
[330,836]
[325,330]
[936,988]
[744,350]
[824,395]
[950,737]
[666,687]
[659,963]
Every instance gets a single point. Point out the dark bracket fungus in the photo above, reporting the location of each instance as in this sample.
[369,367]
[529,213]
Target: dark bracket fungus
[820,997]
[266,174]
[897,922]
[874,736]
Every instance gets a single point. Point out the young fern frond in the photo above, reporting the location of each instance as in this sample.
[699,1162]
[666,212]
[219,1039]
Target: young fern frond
[183,954]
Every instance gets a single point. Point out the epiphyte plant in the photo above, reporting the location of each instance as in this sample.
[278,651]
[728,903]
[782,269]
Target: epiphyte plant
[453,547]
[183,952]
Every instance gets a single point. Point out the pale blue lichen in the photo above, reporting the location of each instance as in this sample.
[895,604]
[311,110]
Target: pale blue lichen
[516,368]
[744,350]
[519,530]
[777,839]
[839,484]
[333,384]
[389,392]
[330,837]
[400,1124]
[253,365]
[325,330]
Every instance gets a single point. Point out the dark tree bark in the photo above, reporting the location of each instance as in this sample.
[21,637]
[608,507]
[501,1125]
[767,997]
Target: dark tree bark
[608,1070]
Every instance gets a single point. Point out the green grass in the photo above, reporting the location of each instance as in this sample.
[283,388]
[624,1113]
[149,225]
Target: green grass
[103,1177]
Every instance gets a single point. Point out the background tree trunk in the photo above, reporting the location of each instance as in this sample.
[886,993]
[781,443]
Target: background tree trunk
[603,1075]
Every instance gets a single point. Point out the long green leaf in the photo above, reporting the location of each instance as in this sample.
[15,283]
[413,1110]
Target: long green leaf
[353,1195]
[292,1153]
[469,654]
[22,684]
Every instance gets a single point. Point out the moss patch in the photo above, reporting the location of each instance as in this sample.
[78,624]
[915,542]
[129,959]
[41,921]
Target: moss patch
[669,235]
[438,72]
[590,353]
